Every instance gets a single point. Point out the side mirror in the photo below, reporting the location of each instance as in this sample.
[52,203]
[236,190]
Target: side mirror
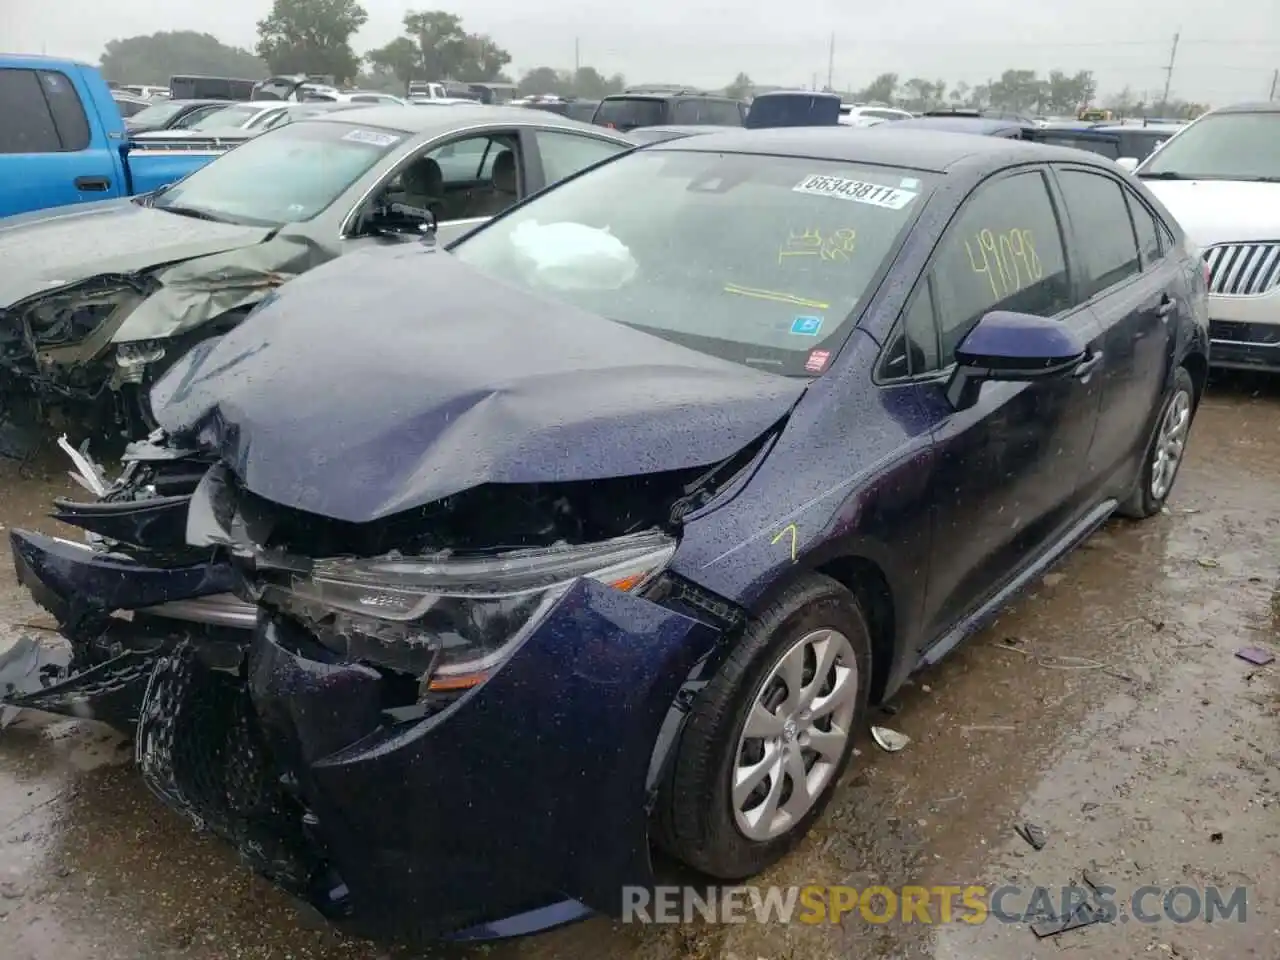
[1013,347]
[401,219]
[1127,163]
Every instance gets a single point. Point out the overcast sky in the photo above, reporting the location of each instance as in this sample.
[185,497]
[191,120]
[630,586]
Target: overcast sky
[1125,42]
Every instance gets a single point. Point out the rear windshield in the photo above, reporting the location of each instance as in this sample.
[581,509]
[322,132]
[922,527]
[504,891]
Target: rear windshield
[157,114]
[1105,146]
[716,113]
[625,113]
[226,117]
[759,260]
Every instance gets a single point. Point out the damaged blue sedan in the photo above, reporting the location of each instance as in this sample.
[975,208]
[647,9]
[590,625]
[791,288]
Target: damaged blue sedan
[453,580]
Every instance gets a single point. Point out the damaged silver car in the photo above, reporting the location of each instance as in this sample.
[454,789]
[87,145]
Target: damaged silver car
[98,299]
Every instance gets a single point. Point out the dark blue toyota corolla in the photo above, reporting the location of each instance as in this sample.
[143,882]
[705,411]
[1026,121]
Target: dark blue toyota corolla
[455,580]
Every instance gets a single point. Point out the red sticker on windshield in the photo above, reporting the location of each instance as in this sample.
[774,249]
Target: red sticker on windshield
[817,361]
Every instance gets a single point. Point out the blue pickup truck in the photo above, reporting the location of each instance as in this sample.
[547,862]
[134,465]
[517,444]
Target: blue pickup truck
[62,139]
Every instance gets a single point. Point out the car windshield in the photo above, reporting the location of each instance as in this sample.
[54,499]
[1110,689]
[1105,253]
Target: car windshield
[284,176]
[757,259]
[1222,146]
[226,117]
[157,114]
[625,113]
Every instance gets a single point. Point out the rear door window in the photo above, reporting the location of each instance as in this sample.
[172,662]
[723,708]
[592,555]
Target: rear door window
[624,113]
[26,124]
[1145,225]
[564,154]
[1102,227]
[68,113]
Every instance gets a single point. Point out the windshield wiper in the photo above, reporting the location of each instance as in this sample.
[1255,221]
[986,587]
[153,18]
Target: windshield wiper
[1163,175]
[192,212]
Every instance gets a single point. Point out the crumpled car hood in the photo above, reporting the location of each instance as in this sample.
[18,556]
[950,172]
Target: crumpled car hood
[379,383]
[54,248]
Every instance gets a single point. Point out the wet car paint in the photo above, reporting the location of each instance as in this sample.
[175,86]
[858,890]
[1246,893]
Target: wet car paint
[489,386]
[825,496]
[1135,773]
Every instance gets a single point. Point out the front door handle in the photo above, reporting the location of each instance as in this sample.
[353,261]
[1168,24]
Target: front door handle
[93,183]
[1087,366]
[1167,304]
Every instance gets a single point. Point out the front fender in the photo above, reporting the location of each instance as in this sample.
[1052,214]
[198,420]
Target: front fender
[530,789]
[195,292]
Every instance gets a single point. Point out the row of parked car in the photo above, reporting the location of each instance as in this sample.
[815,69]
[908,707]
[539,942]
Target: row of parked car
[507,496]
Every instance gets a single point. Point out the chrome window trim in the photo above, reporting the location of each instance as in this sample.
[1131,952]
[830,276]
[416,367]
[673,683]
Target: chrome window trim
[346,225]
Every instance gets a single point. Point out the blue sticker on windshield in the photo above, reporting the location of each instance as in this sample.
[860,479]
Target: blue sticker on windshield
[806,326]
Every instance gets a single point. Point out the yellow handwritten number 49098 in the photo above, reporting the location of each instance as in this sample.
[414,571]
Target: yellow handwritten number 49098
[1008,260]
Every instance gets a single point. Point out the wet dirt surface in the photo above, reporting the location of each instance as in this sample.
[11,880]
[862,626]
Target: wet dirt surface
[1106,706]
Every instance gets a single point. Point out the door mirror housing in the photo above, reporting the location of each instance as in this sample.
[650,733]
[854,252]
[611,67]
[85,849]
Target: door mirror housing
[1127,163]
[400,219]
[1012,347]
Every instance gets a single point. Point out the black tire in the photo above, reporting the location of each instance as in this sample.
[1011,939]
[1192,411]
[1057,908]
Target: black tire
[1142,503]
[695,816]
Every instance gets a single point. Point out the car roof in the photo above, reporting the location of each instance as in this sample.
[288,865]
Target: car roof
[411,119]
[1261,106]
[883,145]
[1154,128]
[670,95]
[984,126]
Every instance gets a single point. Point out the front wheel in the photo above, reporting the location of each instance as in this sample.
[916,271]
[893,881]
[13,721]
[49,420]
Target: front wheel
[770,735]
[1165,454]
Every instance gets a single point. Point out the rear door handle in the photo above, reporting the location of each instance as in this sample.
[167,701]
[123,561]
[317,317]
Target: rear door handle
[1087,366]
[1167,305]
[93,183]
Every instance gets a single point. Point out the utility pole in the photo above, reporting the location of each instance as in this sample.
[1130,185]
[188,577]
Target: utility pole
[1168,72]
[831,62]
[1275,76]
[577,57]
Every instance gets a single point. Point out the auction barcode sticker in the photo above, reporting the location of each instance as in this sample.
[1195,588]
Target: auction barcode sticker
[858,191]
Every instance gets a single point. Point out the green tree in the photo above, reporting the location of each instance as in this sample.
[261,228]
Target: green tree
[545,80]
[399,58]
[311,36]
[443,46]
[741,88]
[153,59]
[1017,90]
[486,58]
[880,90]
[916,94]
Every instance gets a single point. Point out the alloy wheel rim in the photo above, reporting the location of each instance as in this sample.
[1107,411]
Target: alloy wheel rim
[795,734]
[1170,444]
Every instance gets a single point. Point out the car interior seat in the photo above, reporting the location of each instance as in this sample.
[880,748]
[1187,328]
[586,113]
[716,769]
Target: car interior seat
[506,186]
[422,186]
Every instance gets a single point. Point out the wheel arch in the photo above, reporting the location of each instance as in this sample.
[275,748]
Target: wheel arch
[1197,365]
[869,583]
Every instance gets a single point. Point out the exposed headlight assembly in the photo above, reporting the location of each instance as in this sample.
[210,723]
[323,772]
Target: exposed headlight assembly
[451,622]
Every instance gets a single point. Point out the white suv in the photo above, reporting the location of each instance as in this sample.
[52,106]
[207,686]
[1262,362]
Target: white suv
[1220,177]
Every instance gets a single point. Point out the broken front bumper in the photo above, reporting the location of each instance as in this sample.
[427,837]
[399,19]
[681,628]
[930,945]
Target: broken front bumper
[521,805]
